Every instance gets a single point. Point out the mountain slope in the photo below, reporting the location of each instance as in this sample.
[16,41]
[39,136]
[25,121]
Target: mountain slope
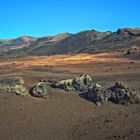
[70,44]
[82,42]
[20,42]
[91,41]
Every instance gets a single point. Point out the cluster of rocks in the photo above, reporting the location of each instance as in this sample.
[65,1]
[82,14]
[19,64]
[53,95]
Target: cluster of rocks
[20,89]
[17,87]
[80,83]
[119,93]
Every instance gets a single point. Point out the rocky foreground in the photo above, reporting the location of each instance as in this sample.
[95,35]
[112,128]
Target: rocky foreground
[74,114]
[120,93]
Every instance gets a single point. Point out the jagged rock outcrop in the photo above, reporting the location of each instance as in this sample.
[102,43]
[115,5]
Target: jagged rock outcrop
[98,94]
[122,93]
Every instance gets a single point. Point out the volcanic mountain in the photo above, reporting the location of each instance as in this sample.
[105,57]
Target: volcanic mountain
[20,42]
[65,43]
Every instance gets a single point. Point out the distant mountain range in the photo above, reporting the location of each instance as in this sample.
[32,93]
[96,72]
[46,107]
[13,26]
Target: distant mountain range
[83,42]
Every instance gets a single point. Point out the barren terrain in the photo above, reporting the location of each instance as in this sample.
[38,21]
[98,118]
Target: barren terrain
[65,115]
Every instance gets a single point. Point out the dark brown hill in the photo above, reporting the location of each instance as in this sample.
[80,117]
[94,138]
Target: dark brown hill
[83,42]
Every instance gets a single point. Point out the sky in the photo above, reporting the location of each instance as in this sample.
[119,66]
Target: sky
[50,17]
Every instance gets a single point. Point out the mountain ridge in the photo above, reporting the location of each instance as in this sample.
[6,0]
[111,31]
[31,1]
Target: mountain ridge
[66,43]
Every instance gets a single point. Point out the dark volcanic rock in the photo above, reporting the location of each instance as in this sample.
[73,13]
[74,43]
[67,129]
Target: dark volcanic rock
[98,94]
[122,93]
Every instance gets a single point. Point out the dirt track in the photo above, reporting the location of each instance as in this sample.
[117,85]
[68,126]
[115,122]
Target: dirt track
[66,116]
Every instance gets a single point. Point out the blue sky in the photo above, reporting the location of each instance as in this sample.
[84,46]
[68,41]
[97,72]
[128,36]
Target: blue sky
[49,17]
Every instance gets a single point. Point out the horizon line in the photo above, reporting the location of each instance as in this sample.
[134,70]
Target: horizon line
[54,34]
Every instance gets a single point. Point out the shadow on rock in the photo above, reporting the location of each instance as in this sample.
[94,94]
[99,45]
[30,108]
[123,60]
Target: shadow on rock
[80,83]
[96,94]
[40,90]
[120,93]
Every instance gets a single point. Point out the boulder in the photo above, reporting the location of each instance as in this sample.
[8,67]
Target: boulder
[80,83]
[97,94]
[13,85]
[64,84]
[122,93]
[20,90]
[40,90]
